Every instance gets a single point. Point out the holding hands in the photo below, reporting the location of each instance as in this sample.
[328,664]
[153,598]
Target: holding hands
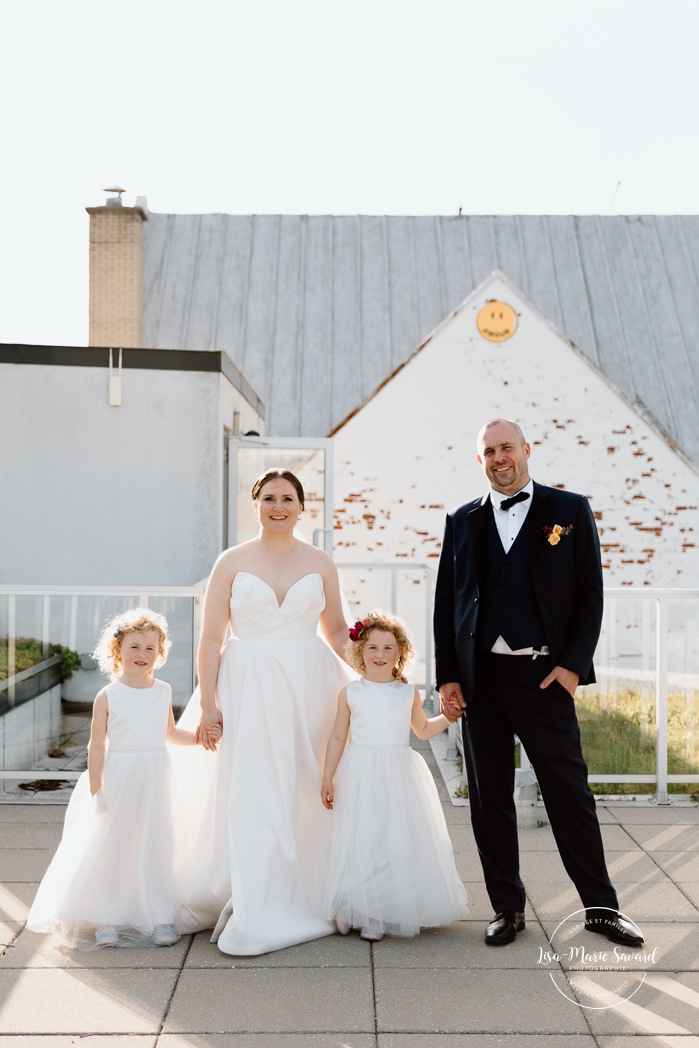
[210,730]
[451,701]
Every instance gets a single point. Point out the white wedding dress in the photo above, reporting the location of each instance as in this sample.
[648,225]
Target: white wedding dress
[391,861]
[254,826]
[115,864]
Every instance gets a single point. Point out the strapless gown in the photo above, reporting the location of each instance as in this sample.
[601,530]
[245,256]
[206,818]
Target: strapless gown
[255,831]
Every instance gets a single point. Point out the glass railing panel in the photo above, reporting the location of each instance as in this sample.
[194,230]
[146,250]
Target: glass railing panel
[617,714]
[44,720]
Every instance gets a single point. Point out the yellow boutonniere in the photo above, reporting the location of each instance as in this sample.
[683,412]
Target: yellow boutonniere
[555,532]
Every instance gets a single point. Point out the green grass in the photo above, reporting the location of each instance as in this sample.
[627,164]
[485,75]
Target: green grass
[618,736]
[29,652]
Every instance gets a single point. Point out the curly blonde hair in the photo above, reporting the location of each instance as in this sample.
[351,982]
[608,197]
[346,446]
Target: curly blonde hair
[379,620]
[107,653]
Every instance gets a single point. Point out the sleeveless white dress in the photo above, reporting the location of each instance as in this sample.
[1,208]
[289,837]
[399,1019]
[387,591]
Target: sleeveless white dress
[392,860]
[256,829]
[116,866]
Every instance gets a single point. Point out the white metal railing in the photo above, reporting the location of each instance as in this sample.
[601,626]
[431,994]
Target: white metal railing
[406,589]
[101,602]
[655,674]
[653,643]
[663,601]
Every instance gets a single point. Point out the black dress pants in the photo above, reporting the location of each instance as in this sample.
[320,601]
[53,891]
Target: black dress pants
[509,701]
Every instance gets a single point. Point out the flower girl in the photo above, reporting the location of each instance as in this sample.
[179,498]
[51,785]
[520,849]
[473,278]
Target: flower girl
[112,879]
[392,866]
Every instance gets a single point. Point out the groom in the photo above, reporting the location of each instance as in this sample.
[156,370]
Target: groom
[518,611]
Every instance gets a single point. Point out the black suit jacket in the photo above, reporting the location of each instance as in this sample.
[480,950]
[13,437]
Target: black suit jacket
[566,580]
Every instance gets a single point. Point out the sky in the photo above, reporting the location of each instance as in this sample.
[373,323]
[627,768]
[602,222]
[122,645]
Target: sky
[322,107]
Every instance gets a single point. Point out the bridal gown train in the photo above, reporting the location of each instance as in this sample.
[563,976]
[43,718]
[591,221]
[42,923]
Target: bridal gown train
[255,830]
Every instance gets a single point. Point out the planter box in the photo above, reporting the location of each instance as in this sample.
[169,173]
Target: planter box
[30,714]
[29,683]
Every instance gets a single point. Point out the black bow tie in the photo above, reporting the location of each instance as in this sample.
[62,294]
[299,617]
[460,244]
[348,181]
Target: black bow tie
[521,496]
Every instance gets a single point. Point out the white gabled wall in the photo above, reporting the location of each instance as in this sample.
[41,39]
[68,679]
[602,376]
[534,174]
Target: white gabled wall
[408,454]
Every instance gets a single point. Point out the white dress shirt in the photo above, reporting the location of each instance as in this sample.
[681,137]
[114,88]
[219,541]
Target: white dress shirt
[509,521]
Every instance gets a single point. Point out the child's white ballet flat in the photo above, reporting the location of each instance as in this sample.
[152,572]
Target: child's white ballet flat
[164,935]
[343,925]
[107,935]
[372,932]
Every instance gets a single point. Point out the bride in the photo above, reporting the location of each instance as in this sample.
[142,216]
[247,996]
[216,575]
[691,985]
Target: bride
[256,832]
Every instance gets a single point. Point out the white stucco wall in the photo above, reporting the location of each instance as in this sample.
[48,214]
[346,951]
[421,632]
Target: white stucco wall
[93,494]
[408,454]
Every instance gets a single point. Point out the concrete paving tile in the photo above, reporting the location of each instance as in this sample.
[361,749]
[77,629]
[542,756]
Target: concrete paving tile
[623,866]
[468,866]
[11,813]
[666,1004]
[536,839]
[264,1040]
[462,838]
[463,844]
[33,950]
[25,864]
[606,814]
[652,814]
[332,951]
[690,889]
[457,815]
[479,907]
[31,835]
[265,1000]
[80,1001]
[673,837]
[553,900]
[678,865]
[622,1041]
[618,839]
[9,932]
[655,900]
[668,947]
[541,839]
[460,945]
[487,1001]
[484,1040]
[68,1041]
[15,899]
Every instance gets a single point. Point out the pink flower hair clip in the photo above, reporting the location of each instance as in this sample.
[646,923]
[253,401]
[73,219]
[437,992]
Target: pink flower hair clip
[359,628]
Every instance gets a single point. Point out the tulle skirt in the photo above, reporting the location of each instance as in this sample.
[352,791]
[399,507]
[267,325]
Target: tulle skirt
[116,861]
[391,860]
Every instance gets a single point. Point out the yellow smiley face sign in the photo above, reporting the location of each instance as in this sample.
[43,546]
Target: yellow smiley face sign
[497,321]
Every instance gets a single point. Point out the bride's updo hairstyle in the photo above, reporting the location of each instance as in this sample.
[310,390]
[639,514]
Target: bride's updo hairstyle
[379,620]
[137,620]
[278,474]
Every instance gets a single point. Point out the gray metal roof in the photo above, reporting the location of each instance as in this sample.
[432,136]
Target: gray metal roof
[317,310]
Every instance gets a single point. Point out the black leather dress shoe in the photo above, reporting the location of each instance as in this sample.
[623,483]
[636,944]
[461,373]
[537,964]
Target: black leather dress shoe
[616,928]
[504,927]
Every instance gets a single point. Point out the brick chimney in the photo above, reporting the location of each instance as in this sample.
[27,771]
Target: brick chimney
[117,299]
